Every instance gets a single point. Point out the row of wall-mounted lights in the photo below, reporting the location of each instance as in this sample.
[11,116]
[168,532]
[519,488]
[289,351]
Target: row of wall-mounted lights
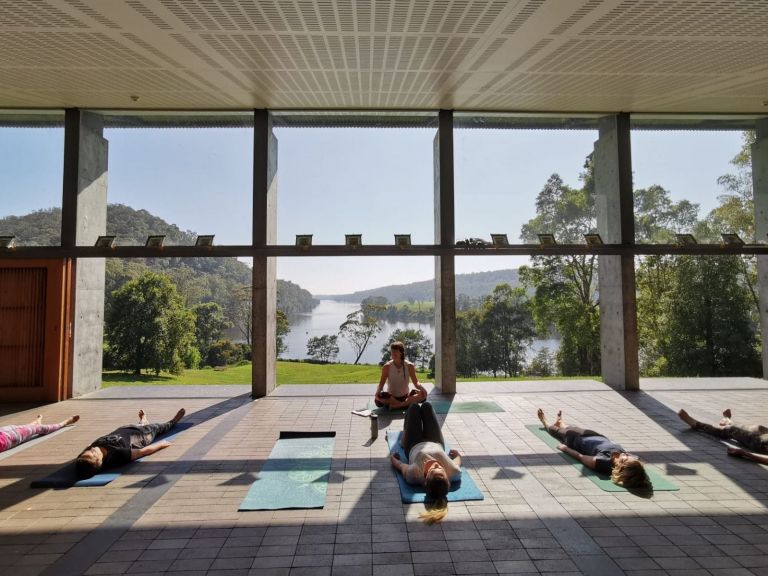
[354,241]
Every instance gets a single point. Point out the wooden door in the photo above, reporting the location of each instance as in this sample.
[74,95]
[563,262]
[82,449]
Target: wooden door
[34,330]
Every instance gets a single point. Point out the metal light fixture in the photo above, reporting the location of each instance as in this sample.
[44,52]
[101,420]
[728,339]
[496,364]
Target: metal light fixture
[685,240]
[105,242]
[593,239]
[205,241]
[402,240]
[547,240]
[499,240]
[732,240]
[303,241]
[353,241]
[8,242]
[155,241]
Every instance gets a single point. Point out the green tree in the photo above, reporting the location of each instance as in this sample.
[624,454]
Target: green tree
[148,327]
[507,329]
[223,353]
[564,286]
[360,327]
[418,346]
[543,364]
[282,328]
[324,348]
[210,324]
[709,330]
[469,343]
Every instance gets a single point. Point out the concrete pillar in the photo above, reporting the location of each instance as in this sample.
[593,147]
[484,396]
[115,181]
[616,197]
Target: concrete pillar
[760,190]
[264,269]
[445,276]
[84,218]
[616,274]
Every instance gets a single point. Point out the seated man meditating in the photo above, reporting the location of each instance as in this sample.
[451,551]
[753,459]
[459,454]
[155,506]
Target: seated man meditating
[599,453]
[124,445]
[395,375]
[753,438]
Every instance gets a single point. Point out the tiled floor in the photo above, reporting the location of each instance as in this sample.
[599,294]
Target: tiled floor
[177,511]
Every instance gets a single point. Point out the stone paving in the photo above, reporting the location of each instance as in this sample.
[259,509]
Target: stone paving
[176,512]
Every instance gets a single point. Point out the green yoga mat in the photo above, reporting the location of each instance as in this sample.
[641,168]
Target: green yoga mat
[295,475]
[445,406]
[658,480]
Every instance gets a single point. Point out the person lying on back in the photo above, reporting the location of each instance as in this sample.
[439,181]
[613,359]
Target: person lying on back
[124,445]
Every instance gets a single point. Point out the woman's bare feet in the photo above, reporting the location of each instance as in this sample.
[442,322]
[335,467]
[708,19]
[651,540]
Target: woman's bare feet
[727,413]
[685,417]
[71,420]
[540,414]
[39,419]
[143,417]
[559,421]
[179,416]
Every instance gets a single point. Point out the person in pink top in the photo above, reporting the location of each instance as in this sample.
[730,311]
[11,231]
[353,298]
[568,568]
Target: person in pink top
[13,435]
[396,374]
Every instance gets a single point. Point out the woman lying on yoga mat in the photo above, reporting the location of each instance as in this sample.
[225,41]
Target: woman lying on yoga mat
[754,437]
[11,436]
[395,374]
[598,453]
[428,464]
[125,444]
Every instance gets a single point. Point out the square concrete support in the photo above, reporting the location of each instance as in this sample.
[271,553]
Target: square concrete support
[616,274]
[445,277]
[760,190]
[84,219]
[264,310]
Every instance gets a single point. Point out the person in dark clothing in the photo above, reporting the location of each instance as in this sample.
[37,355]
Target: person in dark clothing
[124,445]
[599,453]
[752,438]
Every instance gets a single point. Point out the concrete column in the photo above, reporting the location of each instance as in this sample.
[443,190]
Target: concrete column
[760,190]
[84,219]
[445,276]
[616,274]
[264,269]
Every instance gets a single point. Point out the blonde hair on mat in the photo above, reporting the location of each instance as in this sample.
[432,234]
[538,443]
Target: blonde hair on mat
[631,474]
[435,511]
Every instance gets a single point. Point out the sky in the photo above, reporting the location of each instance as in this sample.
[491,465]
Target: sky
[378,182]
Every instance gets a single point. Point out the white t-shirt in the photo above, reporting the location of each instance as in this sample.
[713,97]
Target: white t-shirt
[414,470]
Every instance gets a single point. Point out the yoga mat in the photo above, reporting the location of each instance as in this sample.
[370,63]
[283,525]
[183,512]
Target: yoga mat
[295,475]
[441,407]
[658,480]
[66,477]
[464,489]
[36,440]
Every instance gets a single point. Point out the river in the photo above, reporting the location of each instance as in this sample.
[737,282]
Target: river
[329,315]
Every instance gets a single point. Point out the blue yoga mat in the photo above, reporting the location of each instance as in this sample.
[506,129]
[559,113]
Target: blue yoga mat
[464,489]
[66,476]
[295,475]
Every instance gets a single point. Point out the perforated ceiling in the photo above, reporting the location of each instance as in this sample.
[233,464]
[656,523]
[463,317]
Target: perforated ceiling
[524,55]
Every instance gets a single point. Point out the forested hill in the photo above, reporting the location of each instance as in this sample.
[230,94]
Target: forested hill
[474,285]
[198,279]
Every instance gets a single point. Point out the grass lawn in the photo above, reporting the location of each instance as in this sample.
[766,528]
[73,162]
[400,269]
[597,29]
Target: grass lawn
[287,373]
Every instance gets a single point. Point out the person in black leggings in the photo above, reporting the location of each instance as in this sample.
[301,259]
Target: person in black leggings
[124,445]
[752,438]
[599,453]
[428,464]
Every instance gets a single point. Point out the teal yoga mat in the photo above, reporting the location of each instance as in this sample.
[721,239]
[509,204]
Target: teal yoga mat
[66,477]
[659,481]
[464,489]
[295,475]
[445,406]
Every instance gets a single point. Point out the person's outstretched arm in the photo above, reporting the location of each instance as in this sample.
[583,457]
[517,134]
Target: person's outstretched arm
[754,456]
[455,456]
[588,461]
[151,449]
